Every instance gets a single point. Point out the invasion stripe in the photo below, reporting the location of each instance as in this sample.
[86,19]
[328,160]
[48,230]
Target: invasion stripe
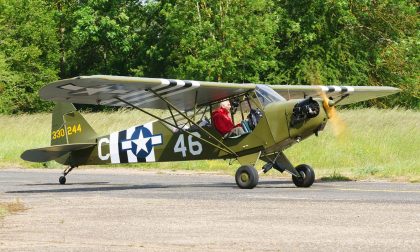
[169,86]
[180,85]
[167,90]
[113,148]
[164,94]
[179,90]
[172,83]
[188,84]
[164,82]
[324,88]
[122,136]
[337,88]
[350,89]
[136,96]
[176,89]
[115,102]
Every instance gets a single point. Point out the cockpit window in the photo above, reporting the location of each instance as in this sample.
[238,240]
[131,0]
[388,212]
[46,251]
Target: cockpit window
[267,95]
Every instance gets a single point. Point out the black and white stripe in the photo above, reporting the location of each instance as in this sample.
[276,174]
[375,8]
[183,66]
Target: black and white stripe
[167,88]
[337,89]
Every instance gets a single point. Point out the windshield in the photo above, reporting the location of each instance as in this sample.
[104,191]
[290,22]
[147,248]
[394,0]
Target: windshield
[267,95]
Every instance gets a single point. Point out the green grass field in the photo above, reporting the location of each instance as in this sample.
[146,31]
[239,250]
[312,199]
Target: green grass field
[380,144]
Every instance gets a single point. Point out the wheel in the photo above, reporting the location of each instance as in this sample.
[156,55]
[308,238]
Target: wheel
[246,177]
[308,176]
[62,180]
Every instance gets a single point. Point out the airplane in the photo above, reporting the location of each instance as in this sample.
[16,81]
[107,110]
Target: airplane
[273,117]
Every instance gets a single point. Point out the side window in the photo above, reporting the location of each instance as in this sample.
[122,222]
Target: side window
[251,114]
[267,95]
[254,117]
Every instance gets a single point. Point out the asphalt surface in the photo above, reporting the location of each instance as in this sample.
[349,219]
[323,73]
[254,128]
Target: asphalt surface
[126,210]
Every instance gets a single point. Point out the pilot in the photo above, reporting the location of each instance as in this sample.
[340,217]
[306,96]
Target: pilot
[223,122]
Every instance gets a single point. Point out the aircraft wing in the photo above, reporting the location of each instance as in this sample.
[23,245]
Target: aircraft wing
[346,94]
[184,94]
[110,90]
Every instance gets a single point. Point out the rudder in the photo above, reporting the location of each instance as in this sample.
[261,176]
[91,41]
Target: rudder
[69,126]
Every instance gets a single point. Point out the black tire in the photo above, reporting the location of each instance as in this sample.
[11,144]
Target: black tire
[62,180]
[308,176]
[246,177]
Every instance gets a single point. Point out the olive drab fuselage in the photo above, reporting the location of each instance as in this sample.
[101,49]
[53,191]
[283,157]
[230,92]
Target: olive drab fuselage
[158,142]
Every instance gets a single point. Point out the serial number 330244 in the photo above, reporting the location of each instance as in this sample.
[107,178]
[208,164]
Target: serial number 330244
[71,130]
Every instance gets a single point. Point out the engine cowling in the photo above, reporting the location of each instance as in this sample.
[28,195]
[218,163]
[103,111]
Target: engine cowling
[304,110]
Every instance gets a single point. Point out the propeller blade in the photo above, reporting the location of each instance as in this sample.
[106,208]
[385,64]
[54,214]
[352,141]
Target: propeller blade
[337,123]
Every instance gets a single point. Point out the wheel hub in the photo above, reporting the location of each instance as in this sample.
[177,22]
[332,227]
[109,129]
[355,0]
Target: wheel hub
[244,177]
[303,175]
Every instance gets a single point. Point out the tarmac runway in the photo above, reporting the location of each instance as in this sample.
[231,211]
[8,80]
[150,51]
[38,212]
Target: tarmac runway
[129,210]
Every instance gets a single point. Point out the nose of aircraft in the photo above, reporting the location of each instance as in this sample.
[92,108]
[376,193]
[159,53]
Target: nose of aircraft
[303,110]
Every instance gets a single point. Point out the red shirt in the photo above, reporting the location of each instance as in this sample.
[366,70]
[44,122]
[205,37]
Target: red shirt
[222,121]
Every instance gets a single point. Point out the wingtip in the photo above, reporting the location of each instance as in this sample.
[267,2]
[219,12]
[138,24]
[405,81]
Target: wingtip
[390,90]
[396,90]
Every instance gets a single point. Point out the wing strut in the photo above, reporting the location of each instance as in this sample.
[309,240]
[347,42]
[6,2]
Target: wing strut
[226,149]
[341,98]
[192,122]
[173,117]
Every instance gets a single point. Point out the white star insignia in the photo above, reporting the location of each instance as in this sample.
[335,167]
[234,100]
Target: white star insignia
[141,142]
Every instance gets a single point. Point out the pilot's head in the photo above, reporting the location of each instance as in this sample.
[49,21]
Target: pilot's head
[225,104]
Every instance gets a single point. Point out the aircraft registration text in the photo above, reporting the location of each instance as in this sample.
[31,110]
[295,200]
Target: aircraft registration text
[71,130]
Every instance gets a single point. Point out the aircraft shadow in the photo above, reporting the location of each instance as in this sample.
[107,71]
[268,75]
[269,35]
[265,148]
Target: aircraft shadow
[63,188]
[85,183]
[96,187]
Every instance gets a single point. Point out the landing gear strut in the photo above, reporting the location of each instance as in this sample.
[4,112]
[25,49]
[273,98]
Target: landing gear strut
[62,179]
[302,175]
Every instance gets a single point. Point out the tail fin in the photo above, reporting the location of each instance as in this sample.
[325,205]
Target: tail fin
[69,126]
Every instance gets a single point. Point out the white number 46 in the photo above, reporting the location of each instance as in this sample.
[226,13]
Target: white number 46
[194,147]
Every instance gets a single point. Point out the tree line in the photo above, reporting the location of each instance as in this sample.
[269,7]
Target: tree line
[331,42]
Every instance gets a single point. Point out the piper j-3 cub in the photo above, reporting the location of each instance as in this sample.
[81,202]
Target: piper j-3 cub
[273,118]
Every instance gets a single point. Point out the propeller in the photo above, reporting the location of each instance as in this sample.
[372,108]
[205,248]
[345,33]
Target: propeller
[337,123]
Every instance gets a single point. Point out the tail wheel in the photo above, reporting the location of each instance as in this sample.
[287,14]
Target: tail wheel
[62,180]
[307,176]
[246,177]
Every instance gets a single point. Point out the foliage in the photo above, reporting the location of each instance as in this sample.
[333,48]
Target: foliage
[28,54]
[352,43]
[221,40]
[355,42]
[98,38]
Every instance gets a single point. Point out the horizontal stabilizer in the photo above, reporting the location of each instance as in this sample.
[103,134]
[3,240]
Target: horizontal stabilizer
[53,152]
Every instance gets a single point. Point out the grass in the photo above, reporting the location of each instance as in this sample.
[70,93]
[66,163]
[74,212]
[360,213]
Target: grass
[11,208]
[375,144]
[382,144]
[335,176]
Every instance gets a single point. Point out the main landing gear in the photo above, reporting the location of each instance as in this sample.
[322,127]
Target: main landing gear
[62,179]
[302,175]
[307,176]
[246,177]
